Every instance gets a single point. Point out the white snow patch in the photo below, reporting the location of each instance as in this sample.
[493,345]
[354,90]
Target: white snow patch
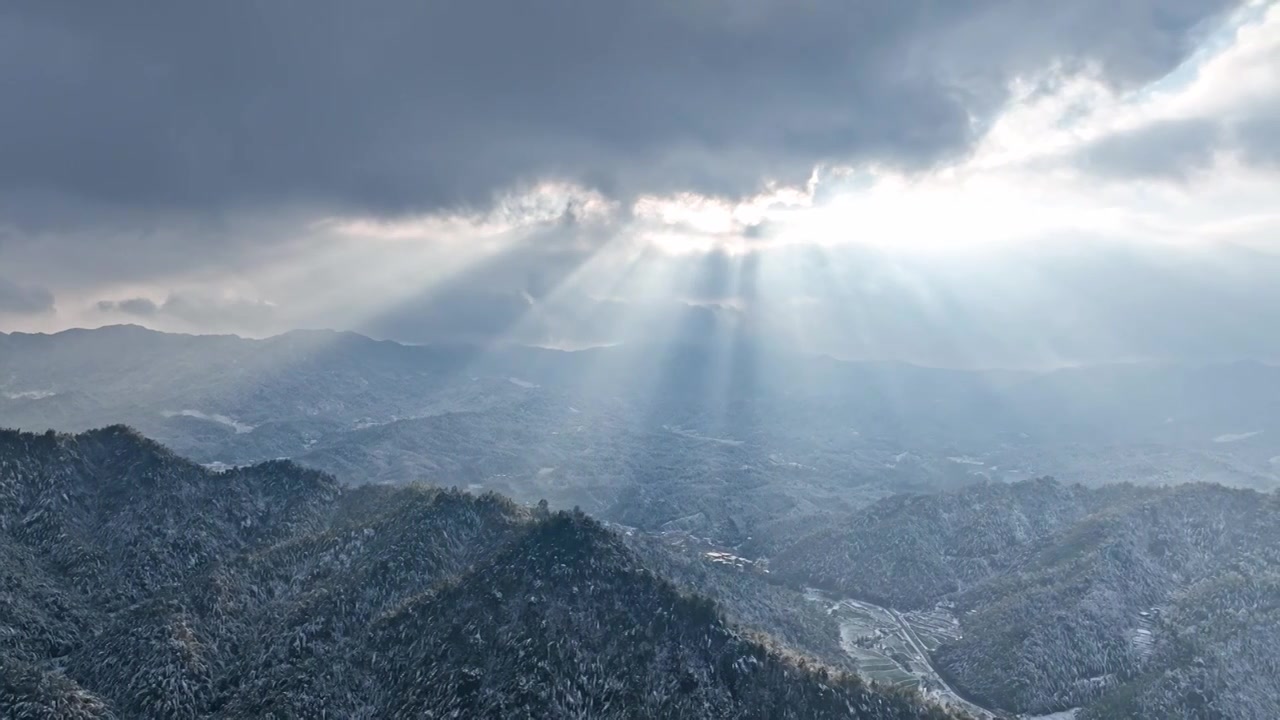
[1064,715]
[521,383]
[239,427]
[966,460]
[543,472]
[729,559]
[30,394]
[1236,437]
[1143,641]
[698,436]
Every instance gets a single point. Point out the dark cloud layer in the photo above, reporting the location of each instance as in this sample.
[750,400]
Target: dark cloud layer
[395,105]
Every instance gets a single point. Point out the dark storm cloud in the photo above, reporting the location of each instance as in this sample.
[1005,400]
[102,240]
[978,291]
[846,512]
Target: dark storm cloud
[24,299]
[389,106]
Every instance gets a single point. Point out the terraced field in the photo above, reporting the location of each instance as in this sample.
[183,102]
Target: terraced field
[934,627]
[893,648]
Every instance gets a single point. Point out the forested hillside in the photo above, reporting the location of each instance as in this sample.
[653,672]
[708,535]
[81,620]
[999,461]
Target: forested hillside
[137,584]
[1161,601]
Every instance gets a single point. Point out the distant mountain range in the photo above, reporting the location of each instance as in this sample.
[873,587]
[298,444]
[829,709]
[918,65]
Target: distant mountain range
[736,442]
[138,584]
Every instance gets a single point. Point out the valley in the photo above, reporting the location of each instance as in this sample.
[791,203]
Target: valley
[894,648]
[887,520]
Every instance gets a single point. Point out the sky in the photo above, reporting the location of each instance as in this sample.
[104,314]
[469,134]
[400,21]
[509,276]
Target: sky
[992,183]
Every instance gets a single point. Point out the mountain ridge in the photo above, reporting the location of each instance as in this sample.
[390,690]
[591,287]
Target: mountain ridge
[286,595]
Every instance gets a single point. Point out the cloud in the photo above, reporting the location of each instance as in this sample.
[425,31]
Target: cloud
[139,307]
[1223,108]
[410,106]
[205,311]
[220,311]
[1172,149]
[1257,136]
[24,299]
